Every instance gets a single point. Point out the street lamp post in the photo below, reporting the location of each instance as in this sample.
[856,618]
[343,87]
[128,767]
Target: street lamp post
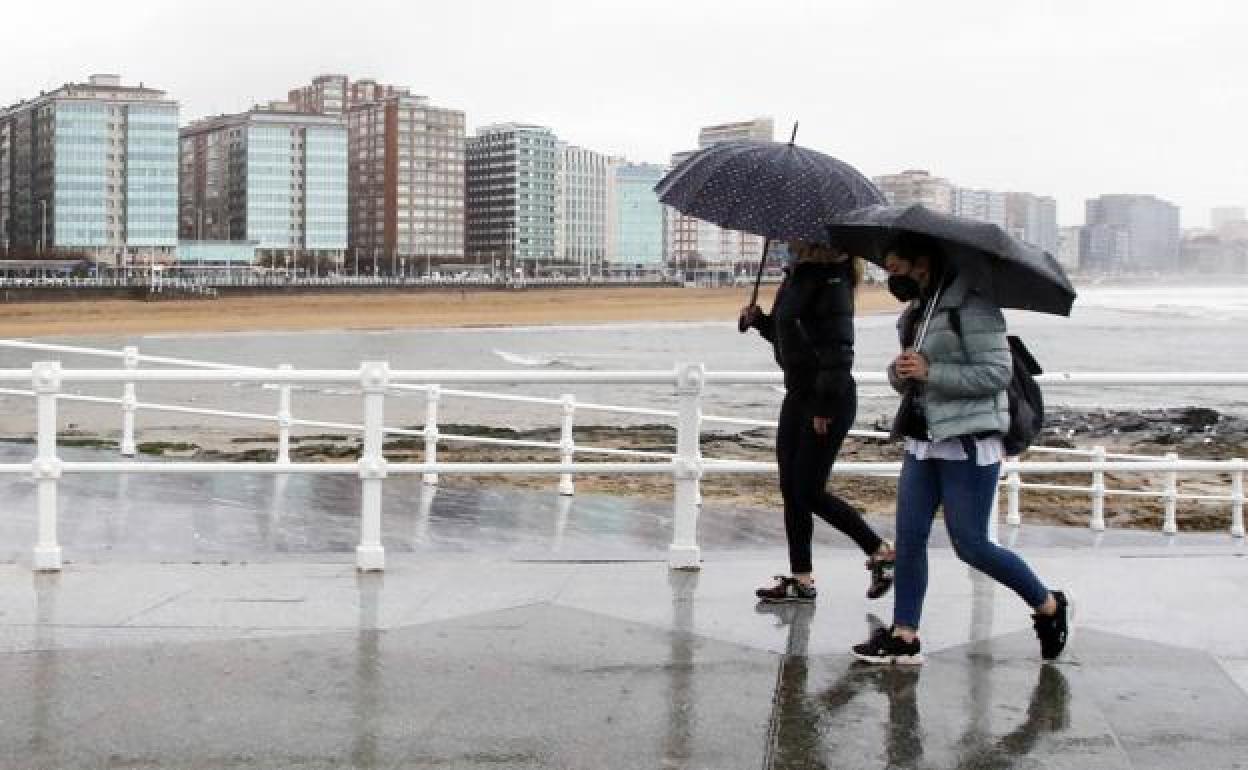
[374,263]
[199,236]
[43,228]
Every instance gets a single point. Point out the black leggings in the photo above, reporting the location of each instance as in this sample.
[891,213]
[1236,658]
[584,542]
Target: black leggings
[805,459]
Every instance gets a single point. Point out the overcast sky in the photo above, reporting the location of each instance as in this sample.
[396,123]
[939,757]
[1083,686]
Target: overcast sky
[1070,98]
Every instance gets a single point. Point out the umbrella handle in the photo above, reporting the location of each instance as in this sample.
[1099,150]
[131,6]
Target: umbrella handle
[742,325]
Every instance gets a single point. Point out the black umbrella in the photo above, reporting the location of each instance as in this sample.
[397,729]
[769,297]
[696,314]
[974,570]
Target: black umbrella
[1014,273]
[774,189]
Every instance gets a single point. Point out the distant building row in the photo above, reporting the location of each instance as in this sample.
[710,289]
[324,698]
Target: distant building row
[356,170]
[1121,233]
[341,169]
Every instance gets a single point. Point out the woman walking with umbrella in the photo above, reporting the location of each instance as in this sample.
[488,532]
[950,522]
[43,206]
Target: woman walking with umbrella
[811,328]
[790,193]
[953,372]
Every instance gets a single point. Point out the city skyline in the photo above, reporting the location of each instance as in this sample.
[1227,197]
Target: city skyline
[1066,100]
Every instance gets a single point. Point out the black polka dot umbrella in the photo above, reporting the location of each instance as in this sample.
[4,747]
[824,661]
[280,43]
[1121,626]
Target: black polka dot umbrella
[775,189]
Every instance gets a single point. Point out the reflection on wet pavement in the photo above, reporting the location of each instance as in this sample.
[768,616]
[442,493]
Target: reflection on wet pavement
[192,517]
[543,685]
[523,629]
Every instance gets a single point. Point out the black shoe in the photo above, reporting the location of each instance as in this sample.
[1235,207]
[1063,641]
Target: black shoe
[884,649]
[787,589]
[1053,631]
[881,577]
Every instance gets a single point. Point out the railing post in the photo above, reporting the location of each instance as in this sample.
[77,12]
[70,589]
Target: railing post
[699,447]
[374,378]
[1014,484]
[1098,492]
[46,468]
[686,468]
[567,447]
[1171,525]
[129,403]
[432,396]
[1237,503]
[283,419]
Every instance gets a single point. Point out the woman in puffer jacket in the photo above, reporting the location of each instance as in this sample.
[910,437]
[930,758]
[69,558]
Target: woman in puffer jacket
[954,369]
[811,328]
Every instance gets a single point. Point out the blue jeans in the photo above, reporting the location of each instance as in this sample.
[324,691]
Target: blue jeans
[966,491]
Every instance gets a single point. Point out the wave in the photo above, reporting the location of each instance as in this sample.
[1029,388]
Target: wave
[552,360]
[532,360]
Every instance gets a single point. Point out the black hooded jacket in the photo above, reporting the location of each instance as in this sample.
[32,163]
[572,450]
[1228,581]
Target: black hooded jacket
[811,328]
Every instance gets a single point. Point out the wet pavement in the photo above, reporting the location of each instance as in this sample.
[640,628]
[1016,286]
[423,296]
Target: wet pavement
[241,517]
[214,622]
[478,660]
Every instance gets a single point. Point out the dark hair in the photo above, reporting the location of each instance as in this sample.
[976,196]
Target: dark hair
[825,254]
[911,246]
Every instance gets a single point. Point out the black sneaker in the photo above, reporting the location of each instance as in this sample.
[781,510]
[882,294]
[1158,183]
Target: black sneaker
[787,589]
[881,576]
[1053,631]
[884,649]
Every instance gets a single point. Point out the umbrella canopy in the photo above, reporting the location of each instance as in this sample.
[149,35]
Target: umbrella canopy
[1015,274]
[774,189]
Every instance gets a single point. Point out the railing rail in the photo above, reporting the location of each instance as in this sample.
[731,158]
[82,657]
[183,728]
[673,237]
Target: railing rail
[685,465]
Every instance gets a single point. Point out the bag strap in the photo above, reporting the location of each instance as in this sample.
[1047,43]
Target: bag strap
[955,322]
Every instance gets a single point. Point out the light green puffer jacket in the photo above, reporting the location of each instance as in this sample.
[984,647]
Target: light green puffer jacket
[965,393]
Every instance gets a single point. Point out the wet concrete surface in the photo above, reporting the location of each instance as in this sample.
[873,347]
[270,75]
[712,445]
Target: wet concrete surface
[473,661]
[155,517]
[217,622]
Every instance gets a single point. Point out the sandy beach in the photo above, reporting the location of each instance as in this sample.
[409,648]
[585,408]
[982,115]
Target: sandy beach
[390,310]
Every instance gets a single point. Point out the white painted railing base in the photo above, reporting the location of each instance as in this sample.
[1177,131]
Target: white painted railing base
[47,558]
[687,557]
[370,558]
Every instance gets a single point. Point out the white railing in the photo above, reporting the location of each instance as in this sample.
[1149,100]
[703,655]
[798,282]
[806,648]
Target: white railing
[678,464]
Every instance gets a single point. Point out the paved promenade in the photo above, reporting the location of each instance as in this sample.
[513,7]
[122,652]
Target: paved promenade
[476,661]
[203,622]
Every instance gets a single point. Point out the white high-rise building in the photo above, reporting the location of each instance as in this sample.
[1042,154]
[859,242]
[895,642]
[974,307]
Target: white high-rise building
[917,186]
[583,203]
[984,205]
[1032,218]
[1068,246]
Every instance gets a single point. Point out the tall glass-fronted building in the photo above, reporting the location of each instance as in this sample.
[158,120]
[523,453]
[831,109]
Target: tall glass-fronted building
[271,176]
[91,169]
[638,226]
[511,200]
